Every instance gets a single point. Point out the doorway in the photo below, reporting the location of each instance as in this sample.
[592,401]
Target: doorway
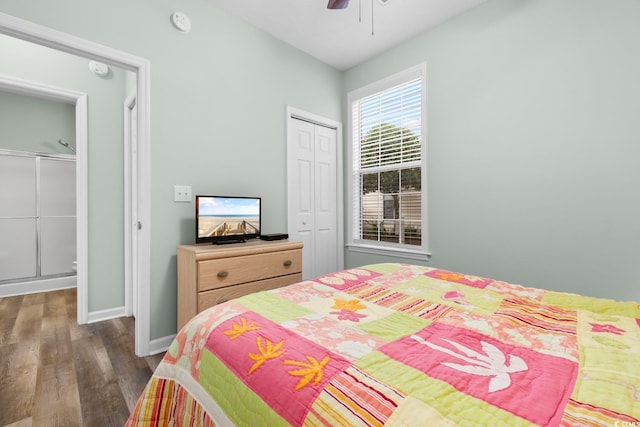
[54,39]
[314,191]
[79,100]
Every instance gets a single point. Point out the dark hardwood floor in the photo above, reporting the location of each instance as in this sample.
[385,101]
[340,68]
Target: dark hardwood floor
[54,372]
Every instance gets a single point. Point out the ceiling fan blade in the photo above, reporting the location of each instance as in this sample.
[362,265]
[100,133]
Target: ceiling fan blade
[337,4]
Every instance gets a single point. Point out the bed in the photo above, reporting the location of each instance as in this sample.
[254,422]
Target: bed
[401,345]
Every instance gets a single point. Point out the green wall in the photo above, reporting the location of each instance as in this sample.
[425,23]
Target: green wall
[218,109]
[19,113]
[534,141]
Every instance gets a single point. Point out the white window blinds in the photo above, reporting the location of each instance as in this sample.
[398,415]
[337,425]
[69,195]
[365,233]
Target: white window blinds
[387,168]
[390,126]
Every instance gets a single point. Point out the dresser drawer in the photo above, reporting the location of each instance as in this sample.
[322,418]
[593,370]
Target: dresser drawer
[217,296]
[211,274]
[220,273]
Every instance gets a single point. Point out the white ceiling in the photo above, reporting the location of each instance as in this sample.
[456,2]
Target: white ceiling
[338,37]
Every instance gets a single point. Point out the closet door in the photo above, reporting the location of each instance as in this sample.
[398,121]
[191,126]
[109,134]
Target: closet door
[18,217]
[301,193]
[326,221]
[57,215]
[312,195]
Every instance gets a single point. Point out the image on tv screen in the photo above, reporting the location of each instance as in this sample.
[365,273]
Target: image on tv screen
[228,216]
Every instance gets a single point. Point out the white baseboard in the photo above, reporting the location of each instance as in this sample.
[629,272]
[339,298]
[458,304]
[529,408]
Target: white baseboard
[34,286]
[160,345]
[108,314]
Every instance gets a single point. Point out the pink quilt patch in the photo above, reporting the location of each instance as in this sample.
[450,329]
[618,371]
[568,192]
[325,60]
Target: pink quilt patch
[278,365]
[524,382]
[606,329]
[345,279]
[464,279]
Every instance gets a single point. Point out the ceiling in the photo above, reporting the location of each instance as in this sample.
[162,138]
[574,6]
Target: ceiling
[339,37]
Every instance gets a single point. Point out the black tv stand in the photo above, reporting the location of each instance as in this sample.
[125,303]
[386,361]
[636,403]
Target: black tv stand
[226,242]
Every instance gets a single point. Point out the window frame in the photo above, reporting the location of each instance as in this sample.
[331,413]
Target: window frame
[354,242]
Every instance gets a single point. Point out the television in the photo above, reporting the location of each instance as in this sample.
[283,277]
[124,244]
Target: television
[223,219]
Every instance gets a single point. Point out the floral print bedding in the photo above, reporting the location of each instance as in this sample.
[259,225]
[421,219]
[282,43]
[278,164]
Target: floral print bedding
[401,345]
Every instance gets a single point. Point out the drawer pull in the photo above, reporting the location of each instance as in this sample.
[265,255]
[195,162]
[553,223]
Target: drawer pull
[222,274]
[287,263]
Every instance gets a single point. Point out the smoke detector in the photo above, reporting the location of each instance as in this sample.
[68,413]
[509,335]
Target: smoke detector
[99,68]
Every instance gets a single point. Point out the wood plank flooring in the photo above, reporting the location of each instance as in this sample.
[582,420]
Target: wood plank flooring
[54,372]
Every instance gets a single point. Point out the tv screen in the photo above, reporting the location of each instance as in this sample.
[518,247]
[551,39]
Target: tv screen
[227,219]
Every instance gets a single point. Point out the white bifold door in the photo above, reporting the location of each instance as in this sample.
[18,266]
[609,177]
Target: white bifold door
[313,195]
[37,216]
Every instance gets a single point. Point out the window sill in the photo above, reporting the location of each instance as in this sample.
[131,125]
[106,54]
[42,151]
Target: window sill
[390,251]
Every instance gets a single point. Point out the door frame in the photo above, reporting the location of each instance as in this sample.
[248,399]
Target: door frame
[298,114]
[79,100]
[35,33]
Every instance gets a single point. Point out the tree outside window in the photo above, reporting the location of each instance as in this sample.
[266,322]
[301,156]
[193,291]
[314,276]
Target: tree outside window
[391,199]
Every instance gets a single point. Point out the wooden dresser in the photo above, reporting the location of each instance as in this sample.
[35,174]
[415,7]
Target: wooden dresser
[210,274]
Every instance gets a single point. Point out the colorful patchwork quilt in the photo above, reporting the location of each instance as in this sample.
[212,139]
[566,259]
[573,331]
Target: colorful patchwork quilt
[401,345]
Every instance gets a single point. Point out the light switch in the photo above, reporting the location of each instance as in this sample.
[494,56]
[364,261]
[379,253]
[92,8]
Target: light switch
[182,193]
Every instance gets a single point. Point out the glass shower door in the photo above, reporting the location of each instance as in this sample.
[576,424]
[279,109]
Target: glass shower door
[57,216]
[37,216]
[18,217]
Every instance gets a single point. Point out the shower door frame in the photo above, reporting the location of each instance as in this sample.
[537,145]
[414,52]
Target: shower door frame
[38,282]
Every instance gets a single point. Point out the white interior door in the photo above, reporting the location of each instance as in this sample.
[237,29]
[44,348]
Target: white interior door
[301,191]
[325,195]
[133,224]
[313,196]
[134,207]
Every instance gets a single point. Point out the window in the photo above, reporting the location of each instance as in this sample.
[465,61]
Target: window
[388,166]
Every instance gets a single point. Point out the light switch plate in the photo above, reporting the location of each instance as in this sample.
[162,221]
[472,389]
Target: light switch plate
[181,193]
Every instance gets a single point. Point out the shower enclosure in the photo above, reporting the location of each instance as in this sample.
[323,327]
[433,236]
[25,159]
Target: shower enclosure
[37,221]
